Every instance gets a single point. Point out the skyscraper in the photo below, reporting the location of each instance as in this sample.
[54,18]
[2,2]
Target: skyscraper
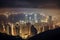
[50,22]
[35,18]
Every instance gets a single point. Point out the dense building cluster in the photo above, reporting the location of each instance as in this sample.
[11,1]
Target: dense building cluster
[25,24]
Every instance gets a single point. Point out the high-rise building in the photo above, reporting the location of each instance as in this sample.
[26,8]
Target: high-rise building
[50,22]
[35,18]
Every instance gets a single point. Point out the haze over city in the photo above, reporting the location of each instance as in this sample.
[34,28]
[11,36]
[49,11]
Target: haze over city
[26,18]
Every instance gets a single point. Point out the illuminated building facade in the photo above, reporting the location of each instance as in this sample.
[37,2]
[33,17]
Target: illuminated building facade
[40,22]
[50,22]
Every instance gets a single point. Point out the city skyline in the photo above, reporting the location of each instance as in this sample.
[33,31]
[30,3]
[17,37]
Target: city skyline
[55,13]
[26,18]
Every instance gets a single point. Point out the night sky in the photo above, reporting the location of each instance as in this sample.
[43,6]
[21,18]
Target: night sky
[29,3]
[50,7]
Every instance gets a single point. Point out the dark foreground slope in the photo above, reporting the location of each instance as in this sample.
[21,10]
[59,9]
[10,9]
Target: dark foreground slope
[48,35]
[4,36]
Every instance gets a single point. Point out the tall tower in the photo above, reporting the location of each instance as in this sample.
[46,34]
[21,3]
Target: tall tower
[50,22]
[26,18]
[35,18]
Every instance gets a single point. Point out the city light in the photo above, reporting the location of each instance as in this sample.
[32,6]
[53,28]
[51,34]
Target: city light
[46,20]
[38,19]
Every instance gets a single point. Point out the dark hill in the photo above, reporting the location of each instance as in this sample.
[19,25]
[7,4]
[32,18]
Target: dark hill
[4,36]
[47,35]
